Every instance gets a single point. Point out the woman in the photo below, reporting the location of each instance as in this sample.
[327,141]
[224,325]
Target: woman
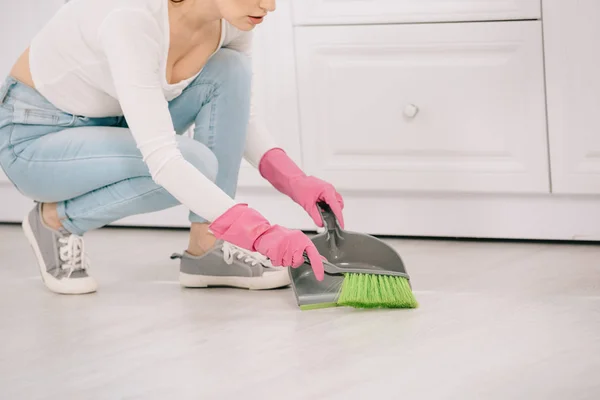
[91,119]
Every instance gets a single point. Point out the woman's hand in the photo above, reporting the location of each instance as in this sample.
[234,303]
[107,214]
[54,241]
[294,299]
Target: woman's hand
[286,248]
[248,229]
[277,168]
[308,191]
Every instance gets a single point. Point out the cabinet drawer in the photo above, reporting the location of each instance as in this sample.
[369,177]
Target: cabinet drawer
[457,107]
[320,12]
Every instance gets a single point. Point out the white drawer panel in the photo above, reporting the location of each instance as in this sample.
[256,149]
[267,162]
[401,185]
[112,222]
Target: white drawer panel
[477,91]
[572,66]
[317,12]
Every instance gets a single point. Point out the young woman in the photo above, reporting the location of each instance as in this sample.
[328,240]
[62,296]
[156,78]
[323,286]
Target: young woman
[91,118]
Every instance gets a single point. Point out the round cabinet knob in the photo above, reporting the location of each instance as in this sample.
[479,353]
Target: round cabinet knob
[411,110]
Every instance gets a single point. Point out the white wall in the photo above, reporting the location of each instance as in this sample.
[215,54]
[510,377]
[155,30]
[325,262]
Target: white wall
[19,21]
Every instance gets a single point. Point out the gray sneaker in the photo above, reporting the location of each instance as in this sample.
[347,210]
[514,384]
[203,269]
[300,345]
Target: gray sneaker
[229,265]
[60,255]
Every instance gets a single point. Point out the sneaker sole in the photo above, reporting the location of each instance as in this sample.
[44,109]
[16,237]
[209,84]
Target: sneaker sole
[80,286]
[269,280]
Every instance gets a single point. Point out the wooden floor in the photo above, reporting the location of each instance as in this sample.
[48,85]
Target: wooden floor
[497,321]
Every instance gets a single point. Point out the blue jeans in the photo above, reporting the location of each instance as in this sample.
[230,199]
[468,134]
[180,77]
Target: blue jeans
[92,168]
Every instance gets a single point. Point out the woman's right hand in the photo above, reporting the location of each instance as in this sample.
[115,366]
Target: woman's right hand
[247,228]
[286,248]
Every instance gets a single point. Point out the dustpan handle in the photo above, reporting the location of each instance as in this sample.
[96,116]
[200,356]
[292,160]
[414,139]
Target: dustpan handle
[332,227]
[330,222]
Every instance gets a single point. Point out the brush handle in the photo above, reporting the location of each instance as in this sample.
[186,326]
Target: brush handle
[332,269]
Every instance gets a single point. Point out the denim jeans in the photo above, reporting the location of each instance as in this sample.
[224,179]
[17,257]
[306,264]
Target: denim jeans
[92,167]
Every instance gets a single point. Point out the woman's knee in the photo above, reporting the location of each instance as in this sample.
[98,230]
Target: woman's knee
[199,156]
[231,68]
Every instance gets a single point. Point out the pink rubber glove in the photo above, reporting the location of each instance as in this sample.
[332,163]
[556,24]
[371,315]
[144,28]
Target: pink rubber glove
[281,171]
[246,228]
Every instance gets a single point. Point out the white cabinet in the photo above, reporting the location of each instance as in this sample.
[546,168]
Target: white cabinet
[572,45]
[431,117]
[440,107]
[327,12]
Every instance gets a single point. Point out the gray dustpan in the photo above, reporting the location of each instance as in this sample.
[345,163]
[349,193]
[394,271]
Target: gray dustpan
[346,252]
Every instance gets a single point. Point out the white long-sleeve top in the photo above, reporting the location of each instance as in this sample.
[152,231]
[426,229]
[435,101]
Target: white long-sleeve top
[100,58]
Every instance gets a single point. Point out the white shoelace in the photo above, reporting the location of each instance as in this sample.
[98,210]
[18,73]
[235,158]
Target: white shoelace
[72,254]
[231,251]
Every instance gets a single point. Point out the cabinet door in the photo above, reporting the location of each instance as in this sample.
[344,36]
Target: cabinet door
[572,35]
[321,12]
[274,86]
[19,22]
[445,107]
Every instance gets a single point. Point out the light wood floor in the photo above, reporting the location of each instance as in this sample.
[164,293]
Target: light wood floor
[497,321]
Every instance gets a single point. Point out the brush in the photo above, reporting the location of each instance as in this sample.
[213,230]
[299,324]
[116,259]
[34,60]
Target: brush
[366,286]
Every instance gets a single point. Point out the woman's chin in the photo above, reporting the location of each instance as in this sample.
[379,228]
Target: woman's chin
[243,24]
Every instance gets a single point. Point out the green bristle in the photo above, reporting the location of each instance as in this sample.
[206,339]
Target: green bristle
[376,291]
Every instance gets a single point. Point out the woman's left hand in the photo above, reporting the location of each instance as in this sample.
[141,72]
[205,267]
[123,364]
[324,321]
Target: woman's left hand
[309,190]
[279,169]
